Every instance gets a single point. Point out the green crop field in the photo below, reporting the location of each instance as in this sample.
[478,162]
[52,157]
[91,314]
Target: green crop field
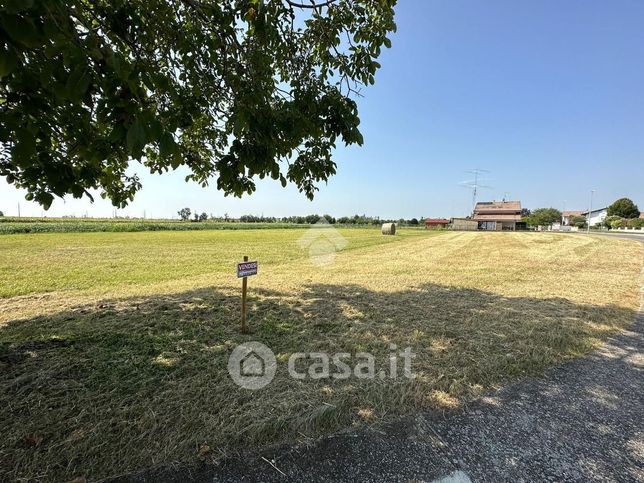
[14,225]
[114,346]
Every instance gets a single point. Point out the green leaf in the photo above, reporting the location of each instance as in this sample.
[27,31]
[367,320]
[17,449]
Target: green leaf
[135,138]
[45,199]
[21,30]
[175,161]
[15,6]
[23,151]
[77,83]
[8,62]
[167,145]
[155,130]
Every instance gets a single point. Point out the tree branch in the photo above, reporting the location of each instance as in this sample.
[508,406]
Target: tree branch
[312,6]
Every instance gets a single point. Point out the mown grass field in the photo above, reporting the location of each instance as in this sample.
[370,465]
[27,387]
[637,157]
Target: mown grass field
[114,346]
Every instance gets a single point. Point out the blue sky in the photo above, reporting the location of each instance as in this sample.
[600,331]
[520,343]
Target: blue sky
[546,95]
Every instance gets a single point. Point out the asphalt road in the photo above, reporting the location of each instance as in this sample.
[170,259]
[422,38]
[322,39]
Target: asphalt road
[626,235]
[582,422]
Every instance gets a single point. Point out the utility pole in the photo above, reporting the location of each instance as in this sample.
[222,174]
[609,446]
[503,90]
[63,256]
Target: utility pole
[475,189]
[18,210]
[590,210]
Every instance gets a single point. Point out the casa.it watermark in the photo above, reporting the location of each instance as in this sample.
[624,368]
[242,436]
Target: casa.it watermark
[322,241]
[253,365]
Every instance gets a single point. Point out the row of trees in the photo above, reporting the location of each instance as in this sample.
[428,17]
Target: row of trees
[621,214]
[618,222]
[343,220]
[186,214]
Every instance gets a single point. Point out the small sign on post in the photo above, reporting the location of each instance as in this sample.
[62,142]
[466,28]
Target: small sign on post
[244,270]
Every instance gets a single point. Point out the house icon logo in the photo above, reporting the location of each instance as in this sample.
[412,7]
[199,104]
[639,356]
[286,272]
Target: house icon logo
[322,241]
[252,365]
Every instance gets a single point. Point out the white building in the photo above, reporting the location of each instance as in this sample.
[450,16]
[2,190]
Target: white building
[596,216]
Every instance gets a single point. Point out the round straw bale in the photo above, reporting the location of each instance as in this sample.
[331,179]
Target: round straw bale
[388,228]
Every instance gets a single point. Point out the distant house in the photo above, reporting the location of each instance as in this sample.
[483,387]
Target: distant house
[436,223]
[642,214]
[498,215]
[568,216]
[596,216]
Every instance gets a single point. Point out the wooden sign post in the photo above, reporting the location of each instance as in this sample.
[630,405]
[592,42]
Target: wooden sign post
[244,270]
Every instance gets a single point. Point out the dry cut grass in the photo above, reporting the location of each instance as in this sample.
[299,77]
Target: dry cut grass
[106,379]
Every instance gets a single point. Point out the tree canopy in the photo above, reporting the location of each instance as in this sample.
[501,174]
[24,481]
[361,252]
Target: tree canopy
[609,220]
[184,214]
[543,217]
[579,221]
[234,90]
[624,208]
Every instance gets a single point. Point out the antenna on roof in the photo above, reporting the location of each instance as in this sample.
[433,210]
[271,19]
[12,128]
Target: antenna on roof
[475,184]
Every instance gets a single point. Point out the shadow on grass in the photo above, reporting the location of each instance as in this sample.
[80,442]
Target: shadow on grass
[580,422]
[125,384]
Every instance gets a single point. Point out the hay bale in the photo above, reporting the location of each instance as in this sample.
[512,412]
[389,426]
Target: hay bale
[388,229]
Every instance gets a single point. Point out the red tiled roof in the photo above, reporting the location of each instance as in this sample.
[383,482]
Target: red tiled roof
[572,213]
[492,207]
[436,221]
[642,214]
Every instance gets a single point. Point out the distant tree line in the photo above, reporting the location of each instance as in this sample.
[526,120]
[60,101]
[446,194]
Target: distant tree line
[312,219]
[186,214]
